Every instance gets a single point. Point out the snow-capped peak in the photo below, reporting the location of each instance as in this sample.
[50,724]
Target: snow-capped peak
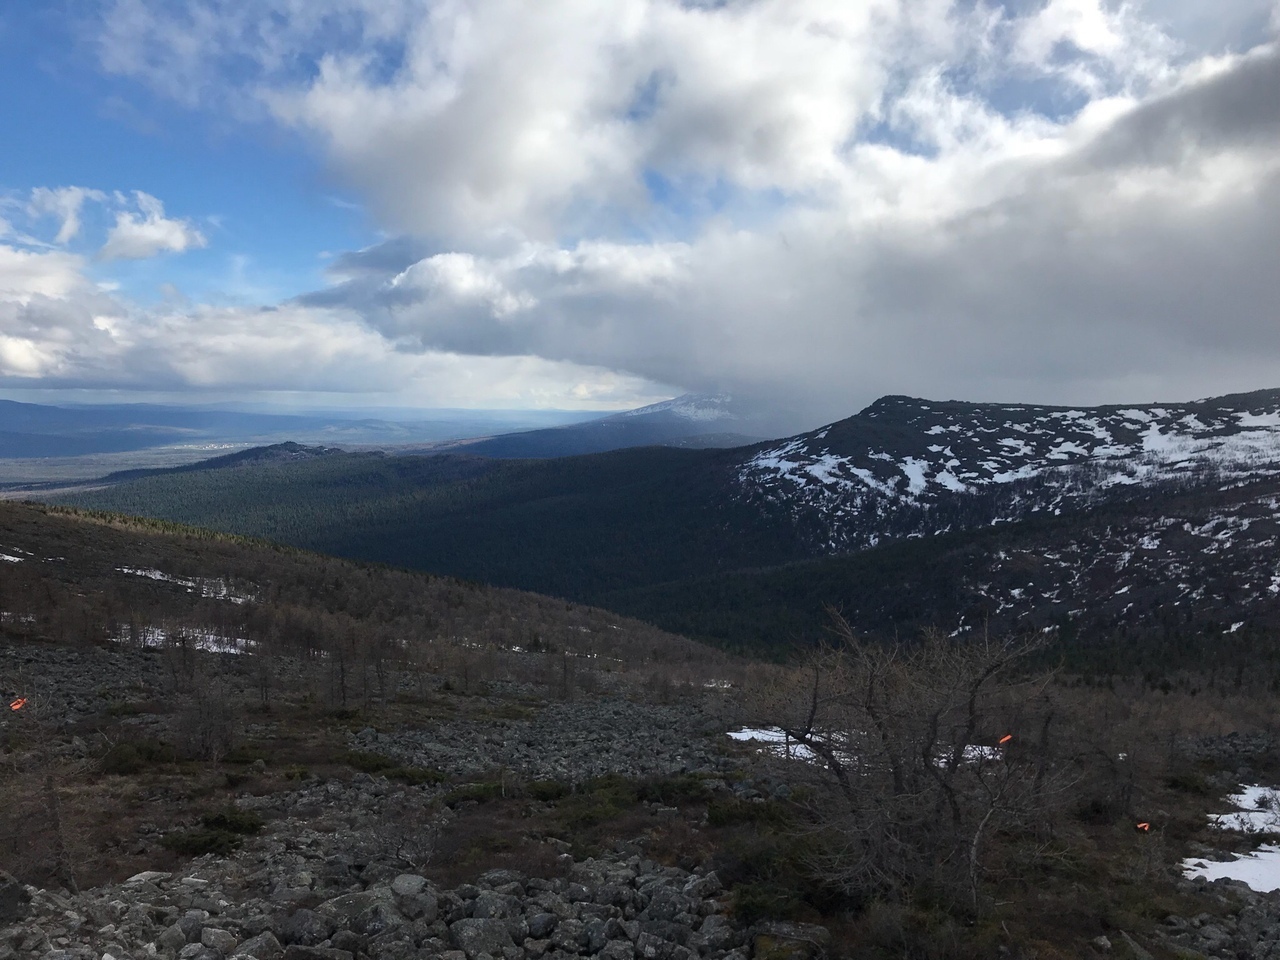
[690,406]
[905,452]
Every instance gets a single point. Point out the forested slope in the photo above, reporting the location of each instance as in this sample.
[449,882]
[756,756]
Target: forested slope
[575,527]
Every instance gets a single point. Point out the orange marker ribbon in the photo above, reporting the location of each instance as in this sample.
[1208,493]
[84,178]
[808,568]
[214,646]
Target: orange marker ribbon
[18,704]
[1144,827]
[1006,738]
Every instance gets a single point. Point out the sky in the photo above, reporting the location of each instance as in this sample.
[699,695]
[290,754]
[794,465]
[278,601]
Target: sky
[571,204]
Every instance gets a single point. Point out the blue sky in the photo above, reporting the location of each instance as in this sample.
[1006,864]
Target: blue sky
[262,197]
[491,203]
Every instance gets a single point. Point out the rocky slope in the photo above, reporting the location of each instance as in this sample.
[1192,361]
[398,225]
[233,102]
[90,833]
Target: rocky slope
[302,892]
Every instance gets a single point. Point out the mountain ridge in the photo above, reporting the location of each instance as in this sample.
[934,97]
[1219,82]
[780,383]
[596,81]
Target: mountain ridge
[629,528]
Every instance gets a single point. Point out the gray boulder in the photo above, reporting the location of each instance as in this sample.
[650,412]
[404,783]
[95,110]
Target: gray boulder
[306,928]
[172,939]
[223,941]
[475,936]
[264,946]
[408,885]
[541,925]
[490,906]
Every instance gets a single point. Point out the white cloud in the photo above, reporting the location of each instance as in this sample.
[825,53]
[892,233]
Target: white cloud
[64,203]
[148,233]
[1050,199]
[58,328]
[25,274]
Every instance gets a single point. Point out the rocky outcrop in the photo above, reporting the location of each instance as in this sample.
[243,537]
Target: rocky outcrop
[1244,924]
[620,909]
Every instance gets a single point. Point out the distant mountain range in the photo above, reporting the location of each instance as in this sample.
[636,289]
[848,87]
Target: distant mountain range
[1151,520]
[29,430]
[691,420]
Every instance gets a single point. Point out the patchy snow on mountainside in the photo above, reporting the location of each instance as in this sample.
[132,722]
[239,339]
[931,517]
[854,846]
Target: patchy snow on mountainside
[904,457]
[690,406]
[211,589]
[1222,562]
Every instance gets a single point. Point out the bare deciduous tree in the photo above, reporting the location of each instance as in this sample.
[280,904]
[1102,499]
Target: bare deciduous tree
[910,773]
[408,831]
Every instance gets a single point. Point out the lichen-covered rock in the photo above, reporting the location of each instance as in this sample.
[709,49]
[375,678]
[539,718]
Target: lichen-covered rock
[476,936]
[264,946]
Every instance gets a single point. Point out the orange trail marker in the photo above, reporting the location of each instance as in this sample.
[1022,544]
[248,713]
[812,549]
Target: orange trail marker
[1006,738]
[18,704]
[1144,827]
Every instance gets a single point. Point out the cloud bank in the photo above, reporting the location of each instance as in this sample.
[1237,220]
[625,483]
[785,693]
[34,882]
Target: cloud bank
[1052,200]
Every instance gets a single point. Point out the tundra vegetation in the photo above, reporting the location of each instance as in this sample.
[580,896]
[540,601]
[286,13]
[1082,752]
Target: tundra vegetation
[962,796]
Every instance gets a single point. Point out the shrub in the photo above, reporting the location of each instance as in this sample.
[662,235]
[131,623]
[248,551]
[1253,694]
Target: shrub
[133,756]
[206,729]
[753,902]
[726,812]
[196,843]
[674,791]
[415,776]
[482,792]
[246,753]
[233,820]
[547,790]
[368,762]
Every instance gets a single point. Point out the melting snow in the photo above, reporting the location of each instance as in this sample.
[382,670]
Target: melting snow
[212,589]
[775,742]
[204,640]
[1260,869]
[1258,811]
[1257,814]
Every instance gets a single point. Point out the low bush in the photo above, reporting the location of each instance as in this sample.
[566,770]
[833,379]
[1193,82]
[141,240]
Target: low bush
[196,843]
[482,792]
[132,757]
[246,753]
[368,762]
[729,811]
[547,791]
[415,776]
[674,791]
[232,820]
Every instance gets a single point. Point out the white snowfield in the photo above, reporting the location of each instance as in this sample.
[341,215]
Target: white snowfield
[1258,812]
[978,447]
